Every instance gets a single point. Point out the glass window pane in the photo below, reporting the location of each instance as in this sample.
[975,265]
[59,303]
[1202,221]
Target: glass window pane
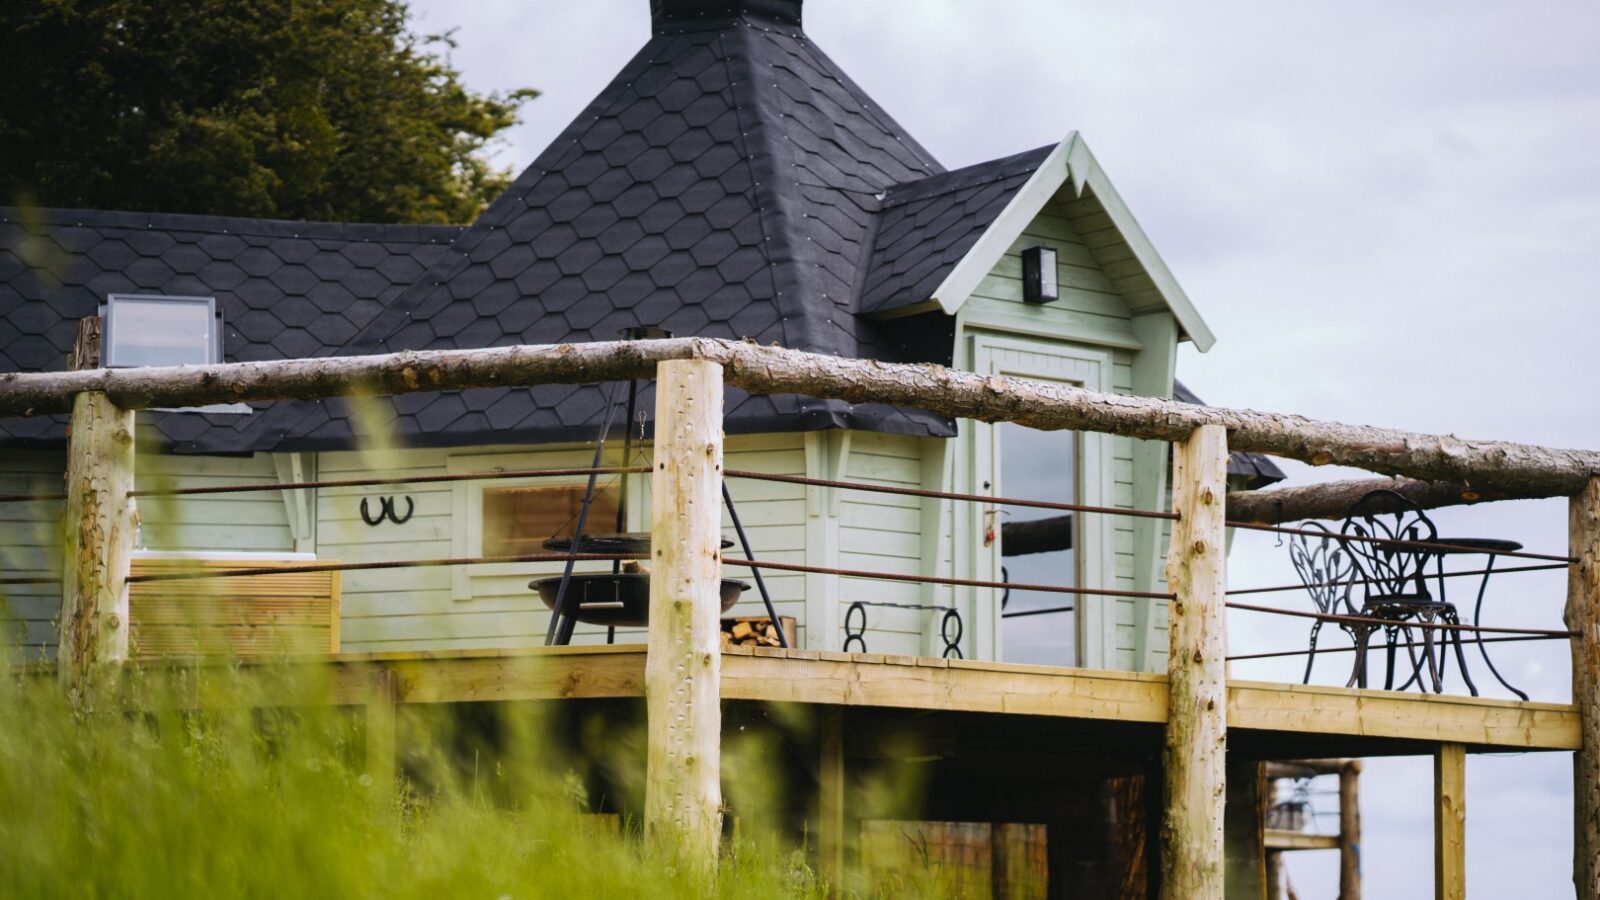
[517,521]
[1039,465]
[160,332]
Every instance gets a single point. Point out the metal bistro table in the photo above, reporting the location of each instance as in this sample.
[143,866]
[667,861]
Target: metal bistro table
[1491,548]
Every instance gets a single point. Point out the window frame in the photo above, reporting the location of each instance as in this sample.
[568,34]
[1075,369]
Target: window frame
[108,318]
[466,511]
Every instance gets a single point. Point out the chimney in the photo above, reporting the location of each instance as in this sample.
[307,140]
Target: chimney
[668,16]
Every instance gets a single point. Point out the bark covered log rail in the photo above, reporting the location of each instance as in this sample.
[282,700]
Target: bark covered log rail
[1481,468]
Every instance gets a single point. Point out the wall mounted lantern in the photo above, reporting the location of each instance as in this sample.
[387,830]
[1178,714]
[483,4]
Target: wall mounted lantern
[1039,275]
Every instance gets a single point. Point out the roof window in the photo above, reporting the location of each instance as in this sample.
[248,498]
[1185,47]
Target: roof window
[161,331]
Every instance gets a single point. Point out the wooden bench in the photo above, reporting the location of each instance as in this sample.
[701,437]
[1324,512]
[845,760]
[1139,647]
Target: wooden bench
[295,613]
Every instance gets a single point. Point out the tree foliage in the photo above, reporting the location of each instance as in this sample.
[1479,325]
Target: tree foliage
[313,109]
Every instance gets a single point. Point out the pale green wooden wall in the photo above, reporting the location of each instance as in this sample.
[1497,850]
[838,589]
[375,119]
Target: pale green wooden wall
[223,523]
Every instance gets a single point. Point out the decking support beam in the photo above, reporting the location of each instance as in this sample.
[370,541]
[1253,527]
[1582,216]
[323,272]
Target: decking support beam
[1450,822]
[98,533]
[683,667]
[1195,752]
[1583,616]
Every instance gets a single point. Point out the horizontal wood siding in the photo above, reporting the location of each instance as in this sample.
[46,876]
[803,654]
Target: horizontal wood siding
[221,523]
[30,547]
[254,522]
[492,605]
[883,533]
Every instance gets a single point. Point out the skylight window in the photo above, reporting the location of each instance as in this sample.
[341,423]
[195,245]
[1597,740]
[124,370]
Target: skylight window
[161,331]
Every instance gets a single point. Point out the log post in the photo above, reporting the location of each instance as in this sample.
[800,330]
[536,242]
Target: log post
[1583,616]
[1450,822]
[1350,830]
[98,530]
[1195,753]
[683,670]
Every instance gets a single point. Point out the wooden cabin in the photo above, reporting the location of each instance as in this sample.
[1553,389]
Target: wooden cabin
[730,182]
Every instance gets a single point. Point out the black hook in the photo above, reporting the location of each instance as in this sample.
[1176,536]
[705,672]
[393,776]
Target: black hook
[386,510]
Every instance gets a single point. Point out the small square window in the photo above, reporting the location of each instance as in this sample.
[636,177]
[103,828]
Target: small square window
[161,331]
[517,521]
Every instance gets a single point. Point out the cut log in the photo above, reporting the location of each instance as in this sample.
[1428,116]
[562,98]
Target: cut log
[683,667]
[101,523]
[741,630]
[1490,467]
[1333,499]
[1036,536]
[1195,748]
[1583,616]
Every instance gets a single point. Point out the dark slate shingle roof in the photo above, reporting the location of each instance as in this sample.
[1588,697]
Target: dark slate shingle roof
[725,184]
[927,226]
[286,289]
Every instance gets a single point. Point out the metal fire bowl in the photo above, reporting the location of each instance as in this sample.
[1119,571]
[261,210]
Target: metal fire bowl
[632,543]
[621,600]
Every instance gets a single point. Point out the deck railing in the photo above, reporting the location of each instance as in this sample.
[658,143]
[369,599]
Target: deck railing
[687,474]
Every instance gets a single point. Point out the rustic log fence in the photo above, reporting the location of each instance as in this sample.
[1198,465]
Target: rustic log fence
[682,680]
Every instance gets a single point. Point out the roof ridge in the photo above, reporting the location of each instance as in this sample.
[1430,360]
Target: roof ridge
[949,181]
[407,232]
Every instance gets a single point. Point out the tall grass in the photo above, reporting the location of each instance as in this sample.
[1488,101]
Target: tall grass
[243,802]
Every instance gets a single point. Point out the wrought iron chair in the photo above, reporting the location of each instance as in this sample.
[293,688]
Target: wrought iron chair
[1385,534]
[1328,572]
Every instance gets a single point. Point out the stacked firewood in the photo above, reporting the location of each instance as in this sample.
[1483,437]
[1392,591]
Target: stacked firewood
[749,632]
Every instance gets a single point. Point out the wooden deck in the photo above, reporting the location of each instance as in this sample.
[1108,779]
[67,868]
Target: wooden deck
[1267,720]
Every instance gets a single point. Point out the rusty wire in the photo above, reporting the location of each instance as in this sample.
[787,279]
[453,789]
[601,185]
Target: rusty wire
[30,498]
[30,579]
[1397,623]
[948,495]
[1300,586]
[1397,646]
[192,574]
[375,482]
[935,579]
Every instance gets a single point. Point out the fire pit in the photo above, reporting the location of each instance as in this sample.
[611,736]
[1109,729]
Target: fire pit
[620,600]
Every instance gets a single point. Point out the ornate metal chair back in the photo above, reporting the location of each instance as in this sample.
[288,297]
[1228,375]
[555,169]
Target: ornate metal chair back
[1325,567]
[1381,532]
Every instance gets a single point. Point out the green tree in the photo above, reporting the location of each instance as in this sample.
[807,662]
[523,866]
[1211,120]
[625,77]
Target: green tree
[313,109]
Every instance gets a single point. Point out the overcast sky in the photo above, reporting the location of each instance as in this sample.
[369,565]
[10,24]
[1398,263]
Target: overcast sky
[1388,216]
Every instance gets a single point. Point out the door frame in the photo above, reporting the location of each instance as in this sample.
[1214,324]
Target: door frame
[1096,544]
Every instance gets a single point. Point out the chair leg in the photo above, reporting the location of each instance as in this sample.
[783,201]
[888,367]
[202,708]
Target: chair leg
[1390,634]
[1433,659]
[1311,656]
[1358,672]
[1454,637]
[1414,657]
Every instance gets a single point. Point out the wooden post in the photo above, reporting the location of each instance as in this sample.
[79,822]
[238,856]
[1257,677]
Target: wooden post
[1350,830]
[683,794]
[1195,754]
[831,838]
[381,733]
[1245,835]
[98,530]
[1450,822]
[1274,869]
[1583,617]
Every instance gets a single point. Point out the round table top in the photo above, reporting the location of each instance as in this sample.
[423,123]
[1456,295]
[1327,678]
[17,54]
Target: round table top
[1476,545]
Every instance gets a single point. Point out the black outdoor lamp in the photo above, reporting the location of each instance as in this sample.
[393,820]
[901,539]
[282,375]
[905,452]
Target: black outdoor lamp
[1039,274]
